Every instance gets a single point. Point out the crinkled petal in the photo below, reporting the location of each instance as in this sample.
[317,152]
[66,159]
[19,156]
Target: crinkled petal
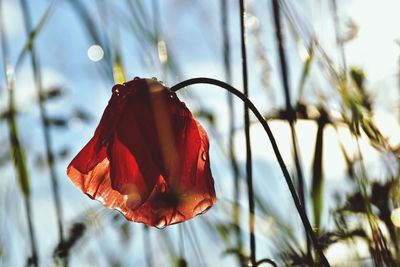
[137,135]
[177,199]
[149,158]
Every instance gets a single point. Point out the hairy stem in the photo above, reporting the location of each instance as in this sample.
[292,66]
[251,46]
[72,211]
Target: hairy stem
[275,148]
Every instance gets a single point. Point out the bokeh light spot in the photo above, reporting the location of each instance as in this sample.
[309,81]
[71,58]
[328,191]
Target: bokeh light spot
[95,53]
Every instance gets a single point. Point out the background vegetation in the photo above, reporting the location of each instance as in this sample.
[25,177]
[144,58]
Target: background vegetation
[326,81]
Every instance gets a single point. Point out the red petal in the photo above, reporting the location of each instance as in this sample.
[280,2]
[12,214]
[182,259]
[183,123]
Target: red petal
[148,158]
[136,132]
[126,176]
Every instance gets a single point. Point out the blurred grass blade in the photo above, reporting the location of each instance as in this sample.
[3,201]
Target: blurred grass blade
[181,263]
[17,151]
[207,115]
[52,93]
[306,69]
[118,70]
[34,33]
[94,34]
[281,224]
[64,248]
[148,247]
[317,179]
[35,66]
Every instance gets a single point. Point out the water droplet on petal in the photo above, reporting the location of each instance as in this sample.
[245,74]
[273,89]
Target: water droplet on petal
[204,155]
[203,206]
[161,223]
[116,89]
[136,78]
[154,78]
[163,188]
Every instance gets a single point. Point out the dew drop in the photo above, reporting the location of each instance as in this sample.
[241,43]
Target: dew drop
[116,89]
[154,78]
[204,155]
[163,188]
[161,223]
[203,206]
[136,78]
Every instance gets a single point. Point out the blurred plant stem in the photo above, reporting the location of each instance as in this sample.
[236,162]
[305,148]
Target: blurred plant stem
[249,167]
[382,256]
[339,41]
[226,48]
[160,45]
[282,165]
[44,119]
[17,151]
[291,115]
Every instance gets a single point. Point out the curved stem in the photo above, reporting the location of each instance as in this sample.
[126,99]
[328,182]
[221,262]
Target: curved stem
[269,261]
[277,153]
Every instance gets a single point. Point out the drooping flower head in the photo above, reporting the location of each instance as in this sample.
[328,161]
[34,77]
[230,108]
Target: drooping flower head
[148,157]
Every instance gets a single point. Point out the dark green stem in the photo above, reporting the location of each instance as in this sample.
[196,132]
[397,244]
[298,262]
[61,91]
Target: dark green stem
[269,261]
[249,165]
[291,113]
[234,165]
[275,148]
[28,209]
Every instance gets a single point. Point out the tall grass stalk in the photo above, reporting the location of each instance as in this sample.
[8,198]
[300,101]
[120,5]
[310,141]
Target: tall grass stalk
[291,115]
[44,120]
[17,151]
[249,166]
[226,48]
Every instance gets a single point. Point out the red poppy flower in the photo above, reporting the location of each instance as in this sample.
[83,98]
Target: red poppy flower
[148,157]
